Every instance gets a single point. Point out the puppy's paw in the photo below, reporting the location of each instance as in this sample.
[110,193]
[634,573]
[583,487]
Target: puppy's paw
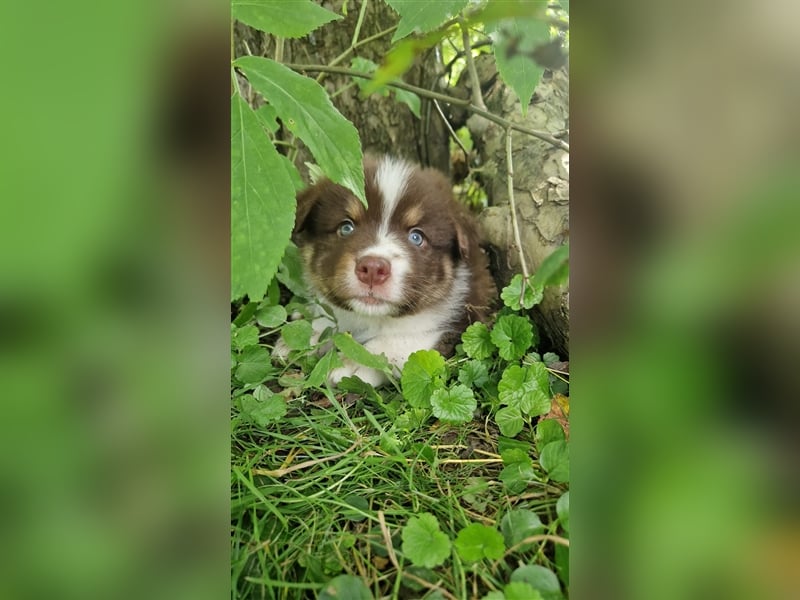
[352,369]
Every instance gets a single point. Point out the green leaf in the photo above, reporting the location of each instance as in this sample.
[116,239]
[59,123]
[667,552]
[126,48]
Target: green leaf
[263,407]
[358,353]
[562,510]
[526,388]
[478,541]
[554,269]
[477,341]
[518,524]
[509,420]
[494,595]
[306,110]
[519,590]
[360,506]
[423,373]
[548,430]
[423,542]
[244,336]
[410,99]
[319,374]
[345,586]
[271,316]
[254,365]
[540,578]
[554,459]
[421,17]
[520,294]
[268,117]
[549,358]
[456,405]
[262,205]
[474,374]
[515,41]
[284,19]
[297,334]
[512,335]
[518,471]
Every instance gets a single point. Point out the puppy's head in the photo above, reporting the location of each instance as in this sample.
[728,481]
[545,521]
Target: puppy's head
[395,257]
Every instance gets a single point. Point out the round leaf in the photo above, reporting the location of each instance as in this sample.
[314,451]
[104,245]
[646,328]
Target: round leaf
[518,524]
[345,586]
[478,541]
[423,543]
[456,404]
[422,374]
[555,460]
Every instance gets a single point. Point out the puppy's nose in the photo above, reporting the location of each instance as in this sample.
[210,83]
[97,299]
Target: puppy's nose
[373,270]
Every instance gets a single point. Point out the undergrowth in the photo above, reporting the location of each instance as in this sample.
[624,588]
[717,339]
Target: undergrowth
[450,482]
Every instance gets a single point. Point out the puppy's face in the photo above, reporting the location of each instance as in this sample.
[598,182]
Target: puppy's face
[395,257]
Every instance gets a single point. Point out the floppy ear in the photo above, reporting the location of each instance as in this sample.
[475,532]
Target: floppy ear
[305,202]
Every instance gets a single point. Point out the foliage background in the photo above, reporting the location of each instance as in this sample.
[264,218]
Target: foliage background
[703,93]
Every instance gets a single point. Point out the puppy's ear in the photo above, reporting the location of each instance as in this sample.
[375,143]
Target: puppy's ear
[305,202]
[466,232]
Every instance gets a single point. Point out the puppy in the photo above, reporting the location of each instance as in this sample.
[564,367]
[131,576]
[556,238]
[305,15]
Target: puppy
[404,274]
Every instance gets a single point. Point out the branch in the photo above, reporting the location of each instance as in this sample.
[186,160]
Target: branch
[513,207]
[437,96]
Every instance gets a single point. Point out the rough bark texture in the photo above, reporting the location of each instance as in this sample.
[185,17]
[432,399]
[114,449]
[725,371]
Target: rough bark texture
[384,124]
[541,185]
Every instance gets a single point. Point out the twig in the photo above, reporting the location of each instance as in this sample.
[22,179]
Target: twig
[513,206]
[474,83]
[450,129]
[303,465]
[436,96]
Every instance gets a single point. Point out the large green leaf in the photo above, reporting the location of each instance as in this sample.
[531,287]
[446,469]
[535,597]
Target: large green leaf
[515,40]
[278,17]
[306,110]
[421,17]
[262,205]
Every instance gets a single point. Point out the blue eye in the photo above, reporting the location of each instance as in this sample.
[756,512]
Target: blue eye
[346,228]
[415,237]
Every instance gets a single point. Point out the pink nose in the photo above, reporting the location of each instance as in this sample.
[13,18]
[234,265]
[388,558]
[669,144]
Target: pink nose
[373,270]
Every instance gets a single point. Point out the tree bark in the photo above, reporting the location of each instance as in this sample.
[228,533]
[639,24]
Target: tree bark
[541,185]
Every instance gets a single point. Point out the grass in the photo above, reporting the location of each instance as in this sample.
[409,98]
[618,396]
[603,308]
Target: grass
[326,489]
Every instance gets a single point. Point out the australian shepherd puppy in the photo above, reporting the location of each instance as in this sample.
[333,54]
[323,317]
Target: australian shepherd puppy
[404,273]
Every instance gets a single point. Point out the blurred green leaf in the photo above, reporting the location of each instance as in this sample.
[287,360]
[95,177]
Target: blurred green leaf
[421,17]
[254,365]
[242,337]
[424,543]
[345,586]
[262,408]
[526,388]
[297,334]
[515,41]
[554,459]
[357,352]
[306,110]
[262,205]
[410,99]
[554,269]
[548,430]
[562,510]
[520,590]
[518,524]
[540,578]
[271,316]
[284,19]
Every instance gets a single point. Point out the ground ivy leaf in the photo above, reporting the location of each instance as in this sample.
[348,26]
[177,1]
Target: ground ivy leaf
[509,420]
[548,430]
[517,294]
[562,510]
[345,586]
[473,373]
[554,459]
[519,590]
[357,352]
[410,99]
[421,17]
[518,524]
[319,374]
[540,578]
[478,541]
[494,595]
[264,410]
[254,365]
[332,139]
[271,316]
[244,336]
[297,334]
[423,542]
[518,471]
[477,341]
[526,388]
[262,204]
[512,335]
[423,373]
[284,19]
[456,405]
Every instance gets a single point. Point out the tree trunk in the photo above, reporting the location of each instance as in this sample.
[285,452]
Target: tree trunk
[541,186]
[384,124]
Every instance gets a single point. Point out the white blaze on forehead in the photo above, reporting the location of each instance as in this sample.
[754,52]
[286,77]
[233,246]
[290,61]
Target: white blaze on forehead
[391,178]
